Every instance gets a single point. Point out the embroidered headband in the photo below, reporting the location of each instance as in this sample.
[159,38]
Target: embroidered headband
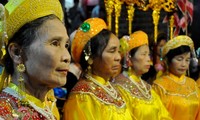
[85,32]
[177,42]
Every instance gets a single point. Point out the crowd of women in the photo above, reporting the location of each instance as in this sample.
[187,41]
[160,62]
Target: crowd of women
[35,58]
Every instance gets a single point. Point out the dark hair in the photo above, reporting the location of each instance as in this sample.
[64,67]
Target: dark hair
[161,36]
[133,51]
[24,37]
[132,54]
[97,44]
[177,51]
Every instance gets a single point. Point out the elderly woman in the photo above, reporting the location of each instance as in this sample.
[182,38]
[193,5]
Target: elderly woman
[141,99]
[179,93]
[93,97]
[36,59]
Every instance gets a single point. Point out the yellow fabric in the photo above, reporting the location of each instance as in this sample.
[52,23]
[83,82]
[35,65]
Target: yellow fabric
[159,74]
[177,42]
[20,12]
[49,101]
[142,109]
[198,82]
[85,32]
[181,96]
[124,47]
[87,107]
[84,104]
[137,39]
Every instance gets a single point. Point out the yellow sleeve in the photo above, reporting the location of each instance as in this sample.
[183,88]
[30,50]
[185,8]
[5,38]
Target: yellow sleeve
[163,112]
[144,109]
[128,99]
[159,91]
[198,82]
[80,107]
[88,107]
[198,114]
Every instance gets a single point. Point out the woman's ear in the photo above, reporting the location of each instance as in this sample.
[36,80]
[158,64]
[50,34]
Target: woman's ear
[128,61]
[166,64]
[15,53]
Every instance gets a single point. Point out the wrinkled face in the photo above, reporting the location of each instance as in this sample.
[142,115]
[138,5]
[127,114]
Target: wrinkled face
[160,45]
[47,59]
[141,60]
[180,64]
[109,65]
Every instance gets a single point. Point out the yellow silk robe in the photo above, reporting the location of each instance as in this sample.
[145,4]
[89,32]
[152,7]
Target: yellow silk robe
[142,108]
[180,96]
[198,82]
[88,101]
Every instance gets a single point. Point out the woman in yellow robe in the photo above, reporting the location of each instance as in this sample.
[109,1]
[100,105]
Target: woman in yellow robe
[179,93]
[35,58]
[93,97]
[141,99]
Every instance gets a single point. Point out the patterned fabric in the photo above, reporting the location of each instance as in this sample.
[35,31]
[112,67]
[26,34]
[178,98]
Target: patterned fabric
[180,96]
[99,93]
[89,101]
[125,83]
[177,42]
[85,32]
[144,106]
[21,12]
[13,107]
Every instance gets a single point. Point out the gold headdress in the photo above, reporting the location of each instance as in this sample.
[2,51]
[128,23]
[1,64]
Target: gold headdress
[137,39]
[85,32]
[20,12]
[177,42]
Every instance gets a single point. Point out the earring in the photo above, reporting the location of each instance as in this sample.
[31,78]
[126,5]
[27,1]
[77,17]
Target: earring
[21,68]
[90,62]
[87,52]
[128,61]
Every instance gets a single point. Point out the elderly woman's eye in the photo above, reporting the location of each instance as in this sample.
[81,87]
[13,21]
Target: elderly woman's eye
[55,43]
[67,45]
[188,60]
[179,59]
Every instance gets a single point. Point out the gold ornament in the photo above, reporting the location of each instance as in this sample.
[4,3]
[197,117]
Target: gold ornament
[109,5]
[85,32]
[118,7]
[171,26]
[156,6]
[90,61]
[130,11]
[177,42]
[21,68]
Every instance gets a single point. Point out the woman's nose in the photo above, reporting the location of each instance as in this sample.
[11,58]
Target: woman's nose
[118,57]
[66,57]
